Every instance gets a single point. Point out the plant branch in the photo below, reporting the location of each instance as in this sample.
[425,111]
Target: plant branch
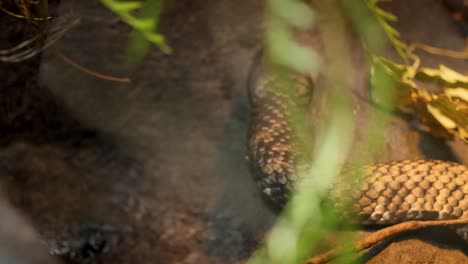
[381,235]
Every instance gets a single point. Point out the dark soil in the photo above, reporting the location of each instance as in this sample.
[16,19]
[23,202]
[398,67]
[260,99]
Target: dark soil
[154,171]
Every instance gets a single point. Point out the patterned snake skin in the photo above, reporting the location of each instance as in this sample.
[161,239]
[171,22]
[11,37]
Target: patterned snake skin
[389,193]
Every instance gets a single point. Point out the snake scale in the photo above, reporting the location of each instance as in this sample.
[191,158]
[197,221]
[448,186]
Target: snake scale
[390,193]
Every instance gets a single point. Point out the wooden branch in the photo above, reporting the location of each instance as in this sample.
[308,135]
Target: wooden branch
[381,235]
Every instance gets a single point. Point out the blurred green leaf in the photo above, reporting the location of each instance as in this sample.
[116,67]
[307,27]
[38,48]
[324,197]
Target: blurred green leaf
[396,69]
[295,13]
[388,78]
[383,17]
[280,44]
[124,6]
[144,24]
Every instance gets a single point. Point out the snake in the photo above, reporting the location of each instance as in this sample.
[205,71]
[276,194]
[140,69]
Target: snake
[388,193]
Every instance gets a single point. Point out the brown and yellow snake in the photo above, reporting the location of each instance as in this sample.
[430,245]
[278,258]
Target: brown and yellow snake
[391,192]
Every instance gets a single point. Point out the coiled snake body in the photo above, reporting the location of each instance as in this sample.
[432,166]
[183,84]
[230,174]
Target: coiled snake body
[390,193]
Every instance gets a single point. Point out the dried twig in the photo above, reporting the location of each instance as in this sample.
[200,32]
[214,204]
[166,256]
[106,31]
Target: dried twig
[438,51]
[381,235]
[31,47]
[98,75]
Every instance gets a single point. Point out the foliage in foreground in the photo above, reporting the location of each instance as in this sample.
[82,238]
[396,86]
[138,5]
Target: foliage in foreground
[143,17]
[394,85]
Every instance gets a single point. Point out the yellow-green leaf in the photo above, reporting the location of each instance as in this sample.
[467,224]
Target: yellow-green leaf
[459,92]
[119,7]
[443,119]
[451,114]
[444,76]
[387,15]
